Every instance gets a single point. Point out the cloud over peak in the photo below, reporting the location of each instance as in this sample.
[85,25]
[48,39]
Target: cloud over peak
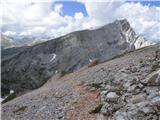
[39,18]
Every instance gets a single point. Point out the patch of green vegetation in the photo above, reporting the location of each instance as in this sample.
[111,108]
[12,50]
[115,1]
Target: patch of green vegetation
[41,69]
[141,61]
[108,82]
[155,67]
[96,85]
[9,98]
[20,109]
[40,72]
[96,109]
[63,73]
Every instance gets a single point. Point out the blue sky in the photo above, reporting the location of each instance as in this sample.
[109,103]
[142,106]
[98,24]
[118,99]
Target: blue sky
[71,7]
[149,2]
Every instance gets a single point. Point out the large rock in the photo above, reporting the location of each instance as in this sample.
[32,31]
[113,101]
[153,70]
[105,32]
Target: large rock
[110,108]
[153,79]
[112,97]
[137,98]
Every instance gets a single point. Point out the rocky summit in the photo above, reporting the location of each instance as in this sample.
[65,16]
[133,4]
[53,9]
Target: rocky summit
[28,68]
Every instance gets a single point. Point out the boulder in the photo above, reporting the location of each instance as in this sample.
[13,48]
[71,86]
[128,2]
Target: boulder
[112,97]
[153,79]
[137,98]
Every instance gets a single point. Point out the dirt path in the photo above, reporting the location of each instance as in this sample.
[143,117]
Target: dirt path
[85,101]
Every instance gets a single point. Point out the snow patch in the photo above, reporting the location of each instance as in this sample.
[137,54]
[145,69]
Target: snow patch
[53,57]
[141,42]
[1,99]
[90,60]
[11,91]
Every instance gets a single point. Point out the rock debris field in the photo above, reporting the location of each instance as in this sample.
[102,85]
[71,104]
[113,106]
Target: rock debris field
[124,88]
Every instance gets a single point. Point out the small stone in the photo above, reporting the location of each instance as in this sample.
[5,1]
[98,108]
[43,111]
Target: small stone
[140,85]
[92,89]
[156,101]
[120,116]
[108,88]
[103,94]
[112,97]
[104,109]
[137,98]
[134,69]
[147,110]
[126,85]
[131,88]
[152,95]
[109,109]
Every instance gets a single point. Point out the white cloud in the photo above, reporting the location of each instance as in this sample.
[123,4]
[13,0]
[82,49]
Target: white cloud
[58,8]
[144,19]
[10,33]
[36,11]
[78,15]
[38,18]
[24,11]
[35,30]
[102,12]
[29,17]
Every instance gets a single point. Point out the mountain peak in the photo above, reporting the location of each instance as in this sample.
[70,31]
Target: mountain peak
[65,54]
[122,21]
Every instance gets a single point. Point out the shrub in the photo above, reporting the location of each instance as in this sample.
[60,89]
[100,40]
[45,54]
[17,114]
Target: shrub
[63,73]
[141,61]
[93,63]
[20,109]
[108,82]
[9,98]
[96,109]
[155,67]
[96,85]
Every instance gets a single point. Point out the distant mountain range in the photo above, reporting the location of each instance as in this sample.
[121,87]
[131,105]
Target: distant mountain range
[7,42]
[29,67]
[19,41]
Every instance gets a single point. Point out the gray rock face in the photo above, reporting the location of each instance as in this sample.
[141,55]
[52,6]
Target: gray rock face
[30,67]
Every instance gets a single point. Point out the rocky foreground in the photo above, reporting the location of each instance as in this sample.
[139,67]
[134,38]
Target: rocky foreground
[124,88]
